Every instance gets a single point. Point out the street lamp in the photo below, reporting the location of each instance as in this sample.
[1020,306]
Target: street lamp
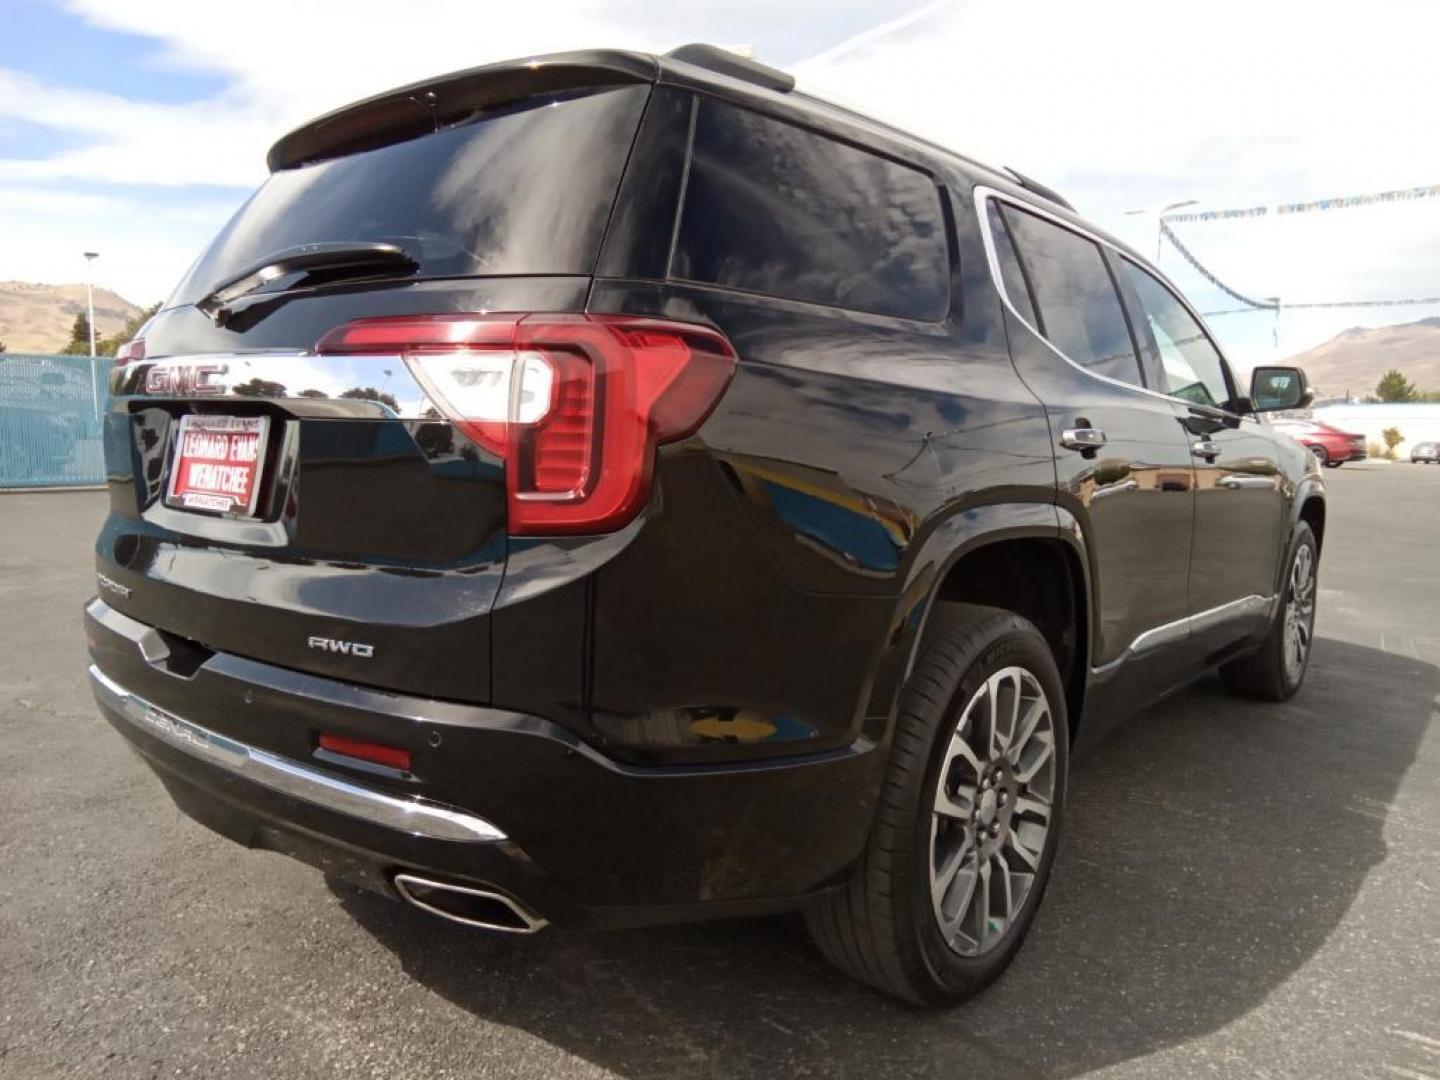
[1159,219]
[90,257]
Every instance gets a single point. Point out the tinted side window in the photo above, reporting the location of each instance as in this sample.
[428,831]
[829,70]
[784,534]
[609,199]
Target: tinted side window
[774,209]
[1075,297]
[1011,273]
[1192,365]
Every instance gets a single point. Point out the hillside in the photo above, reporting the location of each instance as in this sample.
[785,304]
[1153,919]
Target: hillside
[37,318]
[1356,358]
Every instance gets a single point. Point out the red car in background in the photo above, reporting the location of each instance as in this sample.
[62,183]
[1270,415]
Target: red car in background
[1331,446]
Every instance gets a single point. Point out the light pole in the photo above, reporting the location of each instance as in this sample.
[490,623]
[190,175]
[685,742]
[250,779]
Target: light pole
[1159,219]
[90,257]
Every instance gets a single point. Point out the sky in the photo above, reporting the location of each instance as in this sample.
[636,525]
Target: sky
[136,127]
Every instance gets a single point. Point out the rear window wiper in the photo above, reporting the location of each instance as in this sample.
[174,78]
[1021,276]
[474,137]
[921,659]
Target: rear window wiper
[334,260]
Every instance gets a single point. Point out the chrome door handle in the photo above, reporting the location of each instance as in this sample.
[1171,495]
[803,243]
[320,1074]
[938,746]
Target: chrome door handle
[1206,448]
[1119,488]
[1082,438]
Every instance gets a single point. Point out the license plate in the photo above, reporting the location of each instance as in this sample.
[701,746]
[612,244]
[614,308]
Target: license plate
[217,464]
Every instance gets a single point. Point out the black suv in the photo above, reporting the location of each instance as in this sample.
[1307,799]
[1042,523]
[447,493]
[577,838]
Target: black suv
[608,489]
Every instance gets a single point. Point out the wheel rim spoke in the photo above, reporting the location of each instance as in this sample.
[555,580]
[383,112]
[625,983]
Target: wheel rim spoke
[1037,754]
[1035,710]
[1030,860]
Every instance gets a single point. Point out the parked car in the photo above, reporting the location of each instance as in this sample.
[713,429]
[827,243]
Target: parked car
[1425,452]
[768,500]
[1331,446]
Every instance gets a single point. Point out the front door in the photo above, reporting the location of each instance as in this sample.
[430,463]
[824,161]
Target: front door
[1240,496]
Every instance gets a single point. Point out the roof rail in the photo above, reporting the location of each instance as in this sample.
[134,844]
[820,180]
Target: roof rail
[724,62]
[1038,188]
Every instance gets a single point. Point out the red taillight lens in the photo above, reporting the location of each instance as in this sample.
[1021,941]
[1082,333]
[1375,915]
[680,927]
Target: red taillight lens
[130,352]
[574,404]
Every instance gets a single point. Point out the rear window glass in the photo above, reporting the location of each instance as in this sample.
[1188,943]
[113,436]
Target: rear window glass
[1075,298]
[522,190]
[772,208]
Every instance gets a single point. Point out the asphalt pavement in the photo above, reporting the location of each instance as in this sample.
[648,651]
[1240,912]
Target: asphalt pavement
[1242,890]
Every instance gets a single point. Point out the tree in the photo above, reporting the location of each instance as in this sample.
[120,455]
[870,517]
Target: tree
[369,393]
[79,343]
[259,388]
[1393,386]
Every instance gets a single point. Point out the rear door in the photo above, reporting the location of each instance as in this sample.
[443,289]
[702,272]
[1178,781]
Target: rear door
[1241,498]
[1122,460]
[320,507]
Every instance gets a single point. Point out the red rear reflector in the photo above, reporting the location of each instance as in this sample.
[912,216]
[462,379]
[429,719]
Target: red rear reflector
[574,404]
[393,756]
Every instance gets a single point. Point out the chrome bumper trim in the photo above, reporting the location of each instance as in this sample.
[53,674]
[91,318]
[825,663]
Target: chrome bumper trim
[290,777]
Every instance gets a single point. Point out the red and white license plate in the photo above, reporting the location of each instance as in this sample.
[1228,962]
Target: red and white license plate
[217,463]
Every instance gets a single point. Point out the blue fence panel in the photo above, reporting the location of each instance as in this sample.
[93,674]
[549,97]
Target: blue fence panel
[50,419]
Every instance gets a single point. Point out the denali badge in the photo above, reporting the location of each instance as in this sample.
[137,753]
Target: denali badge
[347,648]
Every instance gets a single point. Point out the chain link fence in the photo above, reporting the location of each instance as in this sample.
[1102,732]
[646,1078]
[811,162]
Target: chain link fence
[50,419]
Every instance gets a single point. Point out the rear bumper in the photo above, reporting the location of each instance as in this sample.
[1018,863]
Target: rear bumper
[498,799]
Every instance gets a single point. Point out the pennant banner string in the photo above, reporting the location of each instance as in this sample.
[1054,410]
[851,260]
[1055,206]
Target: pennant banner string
[1329,304]
[1169,234]
[1429,191]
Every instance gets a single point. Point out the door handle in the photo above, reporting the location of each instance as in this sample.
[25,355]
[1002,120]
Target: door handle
[1121,488]
[1205,448]
[1082,438]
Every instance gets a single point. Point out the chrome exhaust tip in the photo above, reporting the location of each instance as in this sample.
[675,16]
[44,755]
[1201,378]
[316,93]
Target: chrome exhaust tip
[468,906]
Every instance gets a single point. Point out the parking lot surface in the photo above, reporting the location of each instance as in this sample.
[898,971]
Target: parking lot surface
[1242,890]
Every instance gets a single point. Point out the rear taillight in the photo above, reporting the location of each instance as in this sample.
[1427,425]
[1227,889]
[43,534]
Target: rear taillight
[574,404]
[130,352]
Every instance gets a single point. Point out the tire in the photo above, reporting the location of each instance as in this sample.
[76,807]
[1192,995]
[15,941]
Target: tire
[1267,674]
[1321,454]
[1333,464]
[884,927]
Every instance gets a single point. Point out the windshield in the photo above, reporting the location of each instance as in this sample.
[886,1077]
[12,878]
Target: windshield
[522,190]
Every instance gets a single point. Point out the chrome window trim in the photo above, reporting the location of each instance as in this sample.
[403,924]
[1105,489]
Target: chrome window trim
[992,258]
[287,776]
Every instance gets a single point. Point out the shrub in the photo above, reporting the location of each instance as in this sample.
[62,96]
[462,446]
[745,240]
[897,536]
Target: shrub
[1393,438]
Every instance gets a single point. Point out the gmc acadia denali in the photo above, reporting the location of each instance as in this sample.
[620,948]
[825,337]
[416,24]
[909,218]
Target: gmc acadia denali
[610,489]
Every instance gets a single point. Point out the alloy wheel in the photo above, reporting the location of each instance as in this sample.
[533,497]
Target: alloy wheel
[991,814]
[1299,612]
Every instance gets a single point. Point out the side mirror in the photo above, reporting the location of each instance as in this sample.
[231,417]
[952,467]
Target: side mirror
[1274,389]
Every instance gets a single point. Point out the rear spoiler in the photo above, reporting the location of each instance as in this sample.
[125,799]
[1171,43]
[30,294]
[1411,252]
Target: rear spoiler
[423,107]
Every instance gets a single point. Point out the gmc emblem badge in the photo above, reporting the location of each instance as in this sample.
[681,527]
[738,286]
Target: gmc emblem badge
[184,380]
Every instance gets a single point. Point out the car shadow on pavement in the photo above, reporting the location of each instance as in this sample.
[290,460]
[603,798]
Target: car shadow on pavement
[1212,846]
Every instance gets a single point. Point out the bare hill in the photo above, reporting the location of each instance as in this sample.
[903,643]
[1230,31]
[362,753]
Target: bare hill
[37,318]
[1355,359]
